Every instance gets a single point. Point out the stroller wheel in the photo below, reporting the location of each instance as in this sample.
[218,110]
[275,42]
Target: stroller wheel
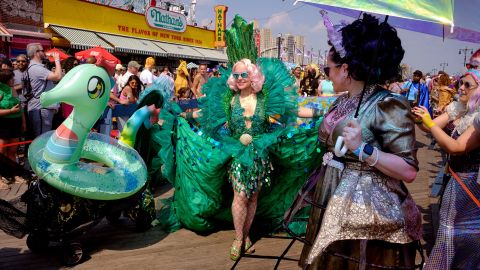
[72,254]
[143,221]
[37,242]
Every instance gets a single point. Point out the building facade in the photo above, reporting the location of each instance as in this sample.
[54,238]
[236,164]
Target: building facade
[75,25]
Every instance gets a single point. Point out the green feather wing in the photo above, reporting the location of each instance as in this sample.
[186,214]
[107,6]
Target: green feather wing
[240,41]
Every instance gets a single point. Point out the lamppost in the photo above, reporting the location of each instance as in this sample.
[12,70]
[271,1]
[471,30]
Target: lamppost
[434,71]
[443,65]
[325,58]
[279,44]
[319,54]
[465,51]
[294,52]
[311,55]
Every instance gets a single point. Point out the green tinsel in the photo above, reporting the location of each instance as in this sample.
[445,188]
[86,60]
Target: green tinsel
[240,41]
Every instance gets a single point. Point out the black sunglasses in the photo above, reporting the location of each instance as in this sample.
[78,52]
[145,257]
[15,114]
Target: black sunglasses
[468,86]
[326,69]
[21,61]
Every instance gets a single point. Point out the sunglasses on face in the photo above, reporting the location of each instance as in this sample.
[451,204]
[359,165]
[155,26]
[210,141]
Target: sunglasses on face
[39,50]
[21,61]
[244,75]
[467,85]
[326,69]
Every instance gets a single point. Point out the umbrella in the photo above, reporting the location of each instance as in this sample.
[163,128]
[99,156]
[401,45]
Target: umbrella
[433,11]
[104,58]
[433,17]
[61,54]
[97,52]
[192,65]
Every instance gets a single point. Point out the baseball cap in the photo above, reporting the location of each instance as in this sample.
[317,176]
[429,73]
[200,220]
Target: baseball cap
[118,67]
[134,64]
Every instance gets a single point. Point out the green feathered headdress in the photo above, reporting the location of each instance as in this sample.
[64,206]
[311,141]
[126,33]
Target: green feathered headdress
[240,41]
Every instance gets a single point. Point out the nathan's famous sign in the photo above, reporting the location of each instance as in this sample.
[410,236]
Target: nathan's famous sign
[164,19]
[155,24]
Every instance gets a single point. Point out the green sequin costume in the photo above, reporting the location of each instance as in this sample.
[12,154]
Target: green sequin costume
[200,156]
[249,178]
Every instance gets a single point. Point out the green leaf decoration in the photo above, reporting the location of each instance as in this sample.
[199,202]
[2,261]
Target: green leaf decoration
[240,41]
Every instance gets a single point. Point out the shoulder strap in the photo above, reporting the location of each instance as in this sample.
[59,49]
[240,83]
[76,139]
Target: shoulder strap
[464,187]
[30,82]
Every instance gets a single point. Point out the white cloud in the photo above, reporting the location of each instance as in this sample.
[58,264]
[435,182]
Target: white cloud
[279,20]
[319,27]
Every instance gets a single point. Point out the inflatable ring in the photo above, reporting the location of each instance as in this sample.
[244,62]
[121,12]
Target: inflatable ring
[55,156]
[124,175]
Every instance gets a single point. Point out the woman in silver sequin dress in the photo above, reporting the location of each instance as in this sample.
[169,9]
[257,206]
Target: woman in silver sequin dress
[370,218]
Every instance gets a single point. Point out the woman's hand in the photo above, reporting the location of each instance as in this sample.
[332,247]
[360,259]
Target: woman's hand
[15,109]
[422,113]
[352,135]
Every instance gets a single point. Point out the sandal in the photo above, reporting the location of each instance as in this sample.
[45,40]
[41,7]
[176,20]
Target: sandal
[236,252]
[249,247]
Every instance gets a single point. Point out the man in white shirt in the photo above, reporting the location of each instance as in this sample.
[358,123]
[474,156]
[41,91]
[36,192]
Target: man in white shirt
[147,76]
[132,69]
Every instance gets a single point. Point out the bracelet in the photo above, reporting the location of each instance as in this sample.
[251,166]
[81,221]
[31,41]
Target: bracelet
[359,151]
[377,154]
[189,115]
[58,60]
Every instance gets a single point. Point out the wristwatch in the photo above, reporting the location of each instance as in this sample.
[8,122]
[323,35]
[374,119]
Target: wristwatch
[368,149]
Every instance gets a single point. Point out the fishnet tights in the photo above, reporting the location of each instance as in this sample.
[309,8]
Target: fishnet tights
[243,212]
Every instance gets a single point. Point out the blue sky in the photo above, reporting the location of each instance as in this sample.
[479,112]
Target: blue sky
[422,51]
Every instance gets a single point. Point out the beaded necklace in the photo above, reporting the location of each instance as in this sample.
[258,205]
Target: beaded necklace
[347,105]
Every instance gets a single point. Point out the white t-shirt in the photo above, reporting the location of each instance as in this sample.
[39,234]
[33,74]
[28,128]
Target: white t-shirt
[146,77]
[124,79]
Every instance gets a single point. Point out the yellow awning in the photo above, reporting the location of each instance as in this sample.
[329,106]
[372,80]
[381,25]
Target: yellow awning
[179,51]
[133,45]
[212,55]
[81,39]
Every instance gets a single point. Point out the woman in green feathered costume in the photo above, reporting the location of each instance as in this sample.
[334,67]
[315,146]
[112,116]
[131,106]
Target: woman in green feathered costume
[239,112]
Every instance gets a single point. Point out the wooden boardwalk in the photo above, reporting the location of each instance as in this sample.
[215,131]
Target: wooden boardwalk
[119,247]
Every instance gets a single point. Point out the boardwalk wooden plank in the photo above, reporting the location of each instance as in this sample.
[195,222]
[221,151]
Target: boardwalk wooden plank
[119,247]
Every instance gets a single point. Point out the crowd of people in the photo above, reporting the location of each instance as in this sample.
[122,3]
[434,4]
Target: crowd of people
[380,225]
[24,78]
